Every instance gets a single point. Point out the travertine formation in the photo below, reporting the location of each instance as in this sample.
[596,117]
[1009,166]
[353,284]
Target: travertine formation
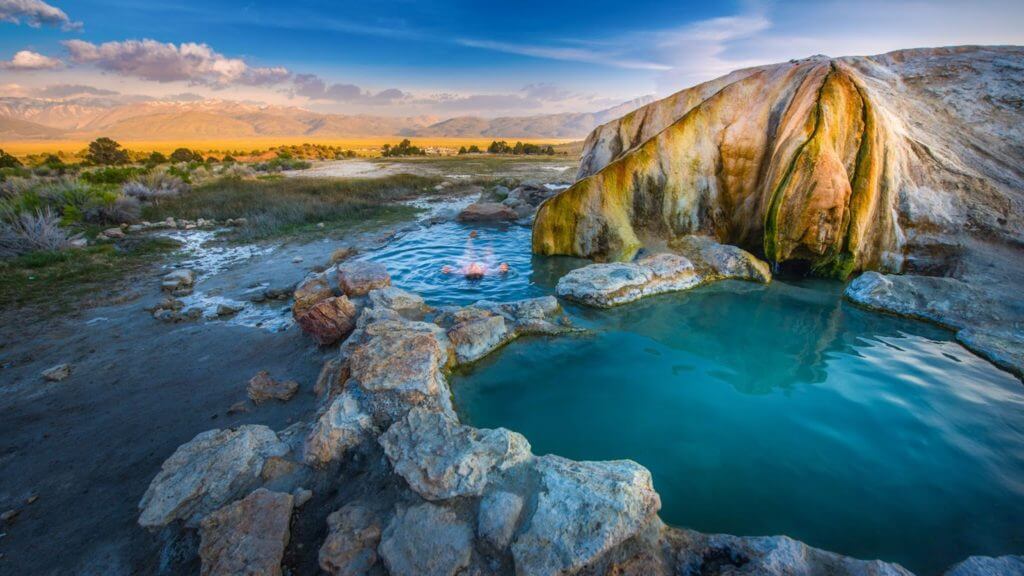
[908,161]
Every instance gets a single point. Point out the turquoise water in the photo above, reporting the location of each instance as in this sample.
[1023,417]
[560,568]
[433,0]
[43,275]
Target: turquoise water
[772,409]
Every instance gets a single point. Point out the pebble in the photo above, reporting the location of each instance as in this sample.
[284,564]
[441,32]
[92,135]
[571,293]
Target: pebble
[57,373]
[9,515]
[297,259]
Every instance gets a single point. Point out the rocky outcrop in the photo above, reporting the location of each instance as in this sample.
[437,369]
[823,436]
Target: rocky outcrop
[246,537]
[309,293]
[358,278]
[209,471]
[903,161]
[342,426]
[442,459]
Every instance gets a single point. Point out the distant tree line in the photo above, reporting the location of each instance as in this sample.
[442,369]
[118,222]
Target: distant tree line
[403,148]
[502,147]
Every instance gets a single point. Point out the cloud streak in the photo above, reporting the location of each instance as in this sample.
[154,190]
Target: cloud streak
[571,54]
[35,13]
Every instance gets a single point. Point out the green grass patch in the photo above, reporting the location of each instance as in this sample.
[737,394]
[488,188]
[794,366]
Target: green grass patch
[289,206]
[59,279]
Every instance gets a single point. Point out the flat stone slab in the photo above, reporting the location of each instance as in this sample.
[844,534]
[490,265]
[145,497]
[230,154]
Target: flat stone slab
[247,537]
[358,278]
[611,284]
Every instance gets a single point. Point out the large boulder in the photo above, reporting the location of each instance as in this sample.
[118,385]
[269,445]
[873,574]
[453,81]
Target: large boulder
[350,548]
[487,212]
[330,320]
[359,278]
[442,459]
[399,364]
[476,332]
[584,509]
[342,426]
[247,537]
[212,469]
[398,300]
[988,566]
[309,293]
[611,284]
[426,540]
[498,517]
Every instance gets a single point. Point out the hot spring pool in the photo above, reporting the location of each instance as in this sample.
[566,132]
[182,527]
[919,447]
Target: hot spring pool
[773,409]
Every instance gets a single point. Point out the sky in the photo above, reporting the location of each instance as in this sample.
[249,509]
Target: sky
[446,57]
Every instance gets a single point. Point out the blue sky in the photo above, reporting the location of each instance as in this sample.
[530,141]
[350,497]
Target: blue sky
[450,57]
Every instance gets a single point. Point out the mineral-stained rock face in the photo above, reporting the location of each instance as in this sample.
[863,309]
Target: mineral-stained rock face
[212,469]
[847,164]
[329,320]
[426,540]
[342,426]
[262,388]
[487,212]
[441,458]
[309,293]
[584,509]
[247,537]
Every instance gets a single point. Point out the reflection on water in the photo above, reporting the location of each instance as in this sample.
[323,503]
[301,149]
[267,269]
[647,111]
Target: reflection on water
[780,409]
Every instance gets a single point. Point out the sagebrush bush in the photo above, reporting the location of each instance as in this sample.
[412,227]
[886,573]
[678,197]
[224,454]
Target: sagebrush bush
[121,210]
[24,232]
[155,186]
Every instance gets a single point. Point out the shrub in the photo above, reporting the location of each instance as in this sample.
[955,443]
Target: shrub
[185,155]
[8,161]
[154,186]
[21,233]
[106,152]
[157,158]
[403,148]
[279,164]
[120,210]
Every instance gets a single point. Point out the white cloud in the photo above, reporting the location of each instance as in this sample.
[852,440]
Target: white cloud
[315,88]
[167,62]
[35,13]
[26,60]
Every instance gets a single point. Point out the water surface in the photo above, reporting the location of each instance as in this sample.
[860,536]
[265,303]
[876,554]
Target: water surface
[775,409]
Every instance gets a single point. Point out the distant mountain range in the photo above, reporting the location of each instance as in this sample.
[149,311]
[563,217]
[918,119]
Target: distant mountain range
[89,117]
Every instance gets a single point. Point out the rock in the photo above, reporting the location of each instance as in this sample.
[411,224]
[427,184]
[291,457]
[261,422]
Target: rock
[302,495]
[229,308]
[400,364]
[498,517]
[180,279]
[296,259]
[442,459]
[212,469]
[611,284]
[1004,348]
[342,426]
[720,261]
[343,253]
[988,566]
[350,548]
[309,293]
[113,233]
[329,320]
[426,540]
[332,377]
[946,301]
[584,509]
[9,516]
[239,407]
[398,300]
[753,157]
[262,388]
[476,332]
[487,212]
[768,556]
[359,278]
[279,292]
[247,537]
[57,373]
[78,242]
